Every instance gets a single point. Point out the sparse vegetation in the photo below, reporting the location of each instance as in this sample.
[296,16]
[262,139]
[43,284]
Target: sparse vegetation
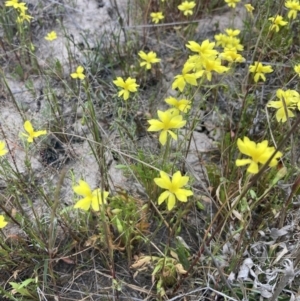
[157,160]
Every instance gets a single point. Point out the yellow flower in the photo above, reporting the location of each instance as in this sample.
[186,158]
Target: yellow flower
[205,50]
[51,36]
[297,69]
[259,153]
[232,3]
[182,79]
[3,223]
[78,73]
[212,65]
[277,21]
[294,8]
[259,71]
[23,17]
[231,55]
[229,40]
[14,3]
[169,119]
[31,133]
[232,32]
[156,17]
[22,7]
[149,58]
[3,150]
[288,100]
[221,39]
[249,8]
[128,86]
[187,7]
[91,198]
[233,42]
[173,188]
[182,105]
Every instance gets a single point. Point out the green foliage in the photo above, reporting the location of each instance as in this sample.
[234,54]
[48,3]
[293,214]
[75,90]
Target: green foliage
[129,218]
[25,288]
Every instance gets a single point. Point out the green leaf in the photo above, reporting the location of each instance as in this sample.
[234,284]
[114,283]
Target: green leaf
[200,206]
[21,291]
[156,269]
[121,166]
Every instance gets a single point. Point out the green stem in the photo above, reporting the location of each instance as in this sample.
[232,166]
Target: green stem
[166,152]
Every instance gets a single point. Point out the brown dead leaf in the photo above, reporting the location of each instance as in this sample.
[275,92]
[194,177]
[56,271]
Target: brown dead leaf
[67,260]
[15,274]
[141,262]
[180,269]
[174,255]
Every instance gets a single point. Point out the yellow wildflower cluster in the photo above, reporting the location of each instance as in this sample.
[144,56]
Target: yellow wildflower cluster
[198,65]
[21,9]
[186,7]
[204,61]
[286,103]
[293,7]
[231,45]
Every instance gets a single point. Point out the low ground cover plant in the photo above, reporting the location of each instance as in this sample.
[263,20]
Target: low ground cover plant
[157,162]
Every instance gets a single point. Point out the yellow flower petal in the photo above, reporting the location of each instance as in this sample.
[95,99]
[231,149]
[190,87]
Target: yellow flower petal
[97,199]
[242,162]
[171,201]
[173,135]
[3,223]
[39,133]
[179,180]
[163,137]
[83,204]
[182,194]
[253,167]
[163,197]
[31,133]
[156,125]
[164,181]
[28,127]
[3,150]
[83,188]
